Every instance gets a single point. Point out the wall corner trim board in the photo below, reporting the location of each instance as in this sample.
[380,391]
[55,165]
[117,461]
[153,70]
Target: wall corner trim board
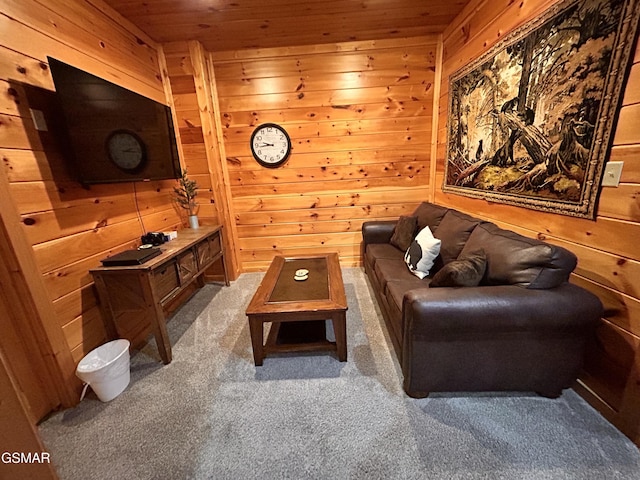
[435,124]
[204,78]
[48,355]
[19,433]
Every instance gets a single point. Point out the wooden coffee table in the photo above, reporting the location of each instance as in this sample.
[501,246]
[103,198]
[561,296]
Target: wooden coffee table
[281,299]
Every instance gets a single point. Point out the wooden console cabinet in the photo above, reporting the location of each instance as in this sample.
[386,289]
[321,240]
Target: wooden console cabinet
[140,292]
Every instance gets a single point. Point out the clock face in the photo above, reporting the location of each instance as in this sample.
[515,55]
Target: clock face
[270,145]
[126,150]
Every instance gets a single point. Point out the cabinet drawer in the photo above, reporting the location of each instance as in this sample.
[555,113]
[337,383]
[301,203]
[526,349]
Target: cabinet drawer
[187,265]
[208,249]
[165,279]
[204,253]
[216,247]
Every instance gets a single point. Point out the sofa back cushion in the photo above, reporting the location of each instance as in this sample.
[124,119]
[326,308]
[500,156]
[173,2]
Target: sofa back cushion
[454,231]
[429,215]
[513,259]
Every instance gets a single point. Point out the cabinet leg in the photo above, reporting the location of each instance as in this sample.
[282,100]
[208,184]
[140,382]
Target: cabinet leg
[224,271]
[164,346]
[159,326]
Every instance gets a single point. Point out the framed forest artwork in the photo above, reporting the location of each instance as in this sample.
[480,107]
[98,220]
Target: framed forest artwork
[530,122]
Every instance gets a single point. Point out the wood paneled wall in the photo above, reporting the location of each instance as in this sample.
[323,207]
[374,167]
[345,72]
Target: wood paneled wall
[180,76]
[71,228]
[189,79]
[607,248]
[359,117]
[18,433]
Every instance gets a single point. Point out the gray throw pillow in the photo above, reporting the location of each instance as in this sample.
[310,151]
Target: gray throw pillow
[466,271]
[404,232]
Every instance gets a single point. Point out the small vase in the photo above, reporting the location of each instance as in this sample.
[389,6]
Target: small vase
[193,221]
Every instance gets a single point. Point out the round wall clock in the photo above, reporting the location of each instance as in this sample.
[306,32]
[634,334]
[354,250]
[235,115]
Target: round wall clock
[270,145]
[126,150]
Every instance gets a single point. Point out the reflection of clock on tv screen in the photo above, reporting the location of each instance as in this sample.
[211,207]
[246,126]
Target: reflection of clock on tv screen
[126,150]
[112,134]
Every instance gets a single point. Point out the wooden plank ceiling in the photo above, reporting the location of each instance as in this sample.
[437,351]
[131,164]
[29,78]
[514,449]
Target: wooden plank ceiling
[222,25]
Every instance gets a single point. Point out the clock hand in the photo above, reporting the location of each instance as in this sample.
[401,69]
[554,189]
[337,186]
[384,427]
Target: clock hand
[267,145]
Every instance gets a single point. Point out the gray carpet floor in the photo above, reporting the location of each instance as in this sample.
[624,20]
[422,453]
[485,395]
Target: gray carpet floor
[211,414]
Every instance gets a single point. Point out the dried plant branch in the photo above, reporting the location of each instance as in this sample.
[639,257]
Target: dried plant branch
[186,192]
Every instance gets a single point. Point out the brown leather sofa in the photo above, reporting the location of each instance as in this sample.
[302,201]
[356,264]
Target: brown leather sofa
[523,328]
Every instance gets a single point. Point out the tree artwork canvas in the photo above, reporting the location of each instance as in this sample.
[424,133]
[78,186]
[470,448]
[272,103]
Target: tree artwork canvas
[530,121]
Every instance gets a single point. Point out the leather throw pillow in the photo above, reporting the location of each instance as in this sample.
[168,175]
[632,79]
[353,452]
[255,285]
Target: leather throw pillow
[466,271]
[404,232]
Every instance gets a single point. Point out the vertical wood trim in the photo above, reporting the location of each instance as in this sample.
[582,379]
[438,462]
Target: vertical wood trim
[168,92]
[629,413]
[231,235]
[435,121]
[17,341]
[18,433]
[41,321]
[204,79]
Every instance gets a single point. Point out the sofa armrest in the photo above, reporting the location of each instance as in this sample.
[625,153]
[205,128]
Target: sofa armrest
[379,231]
[442,311]
[495,338]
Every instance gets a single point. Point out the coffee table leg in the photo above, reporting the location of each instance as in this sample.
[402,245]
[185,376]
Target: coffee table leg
[257,339]
[340,329]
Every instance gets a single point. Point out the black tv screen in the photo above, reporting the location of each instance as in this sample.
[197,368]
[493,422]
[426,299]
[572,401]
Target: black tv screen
[114,134]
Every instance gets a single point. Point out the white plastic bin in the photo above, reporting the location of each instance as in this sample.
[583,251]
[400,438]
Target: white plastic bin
[106,369]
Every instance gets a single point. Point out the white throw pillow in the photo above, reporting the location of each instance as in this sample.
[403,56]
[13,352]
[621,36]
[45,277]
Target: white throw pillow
[422,253]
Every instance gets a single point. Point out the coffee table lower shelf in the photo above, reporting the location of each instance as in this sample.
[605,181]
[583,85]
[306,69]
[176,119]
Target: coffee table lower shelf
[294,340]
[298,336]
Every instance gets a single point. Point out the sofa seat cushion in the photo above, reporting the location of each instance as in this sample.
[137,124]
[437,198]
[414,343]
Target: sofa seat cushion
[454,231]
[513,259]
[395,294]
[376,251]
[397,288]
[387,269]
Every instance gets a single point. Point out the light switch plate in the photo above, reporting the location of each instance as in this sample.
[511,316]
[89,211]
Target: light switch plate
[612,172]
[38,120]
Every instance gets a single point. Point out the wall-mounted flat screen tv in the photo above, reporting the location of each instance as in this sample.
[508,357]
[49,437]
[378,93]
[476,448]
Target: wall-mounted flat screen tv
[114,134]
